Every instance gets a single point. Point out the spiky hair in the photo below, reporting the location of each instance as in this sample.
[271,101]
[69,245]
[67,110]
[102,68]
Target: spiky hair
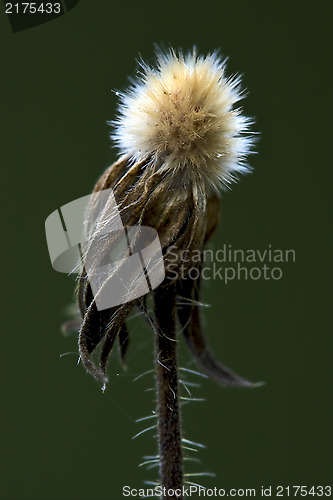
[181,117]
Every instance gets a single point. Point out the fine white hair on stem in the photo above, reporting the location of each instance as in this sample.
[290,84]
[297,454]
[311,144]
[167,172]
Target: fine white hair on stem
[181,117]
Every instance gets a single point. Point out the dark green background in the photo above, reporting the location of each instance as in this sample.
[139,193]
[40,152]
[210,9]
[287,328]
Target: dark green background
[60,437]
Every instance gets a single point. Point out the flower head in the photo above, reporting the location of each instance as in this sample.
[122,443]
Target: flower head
[181,116]
[181,139]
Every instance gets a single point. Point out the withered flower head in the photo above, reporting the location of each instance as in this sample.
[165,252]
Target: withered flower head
[181,116]
[181,139]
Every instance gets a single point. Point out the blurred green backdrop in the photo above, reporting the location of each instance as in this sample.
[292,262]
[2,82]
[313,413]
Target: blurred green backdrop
[61,438]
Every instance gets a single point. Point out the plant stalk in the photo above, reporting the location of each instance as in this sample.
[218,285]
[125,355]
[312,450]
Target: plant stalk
[168,410]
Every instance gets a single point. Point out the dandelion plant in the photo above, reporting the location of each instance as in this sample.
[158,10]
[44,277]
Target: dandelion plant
[181,141]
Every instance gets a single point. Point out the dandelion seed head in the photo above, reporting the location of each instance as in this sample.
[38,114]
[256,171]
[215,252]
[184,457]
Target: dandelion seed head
[181,116]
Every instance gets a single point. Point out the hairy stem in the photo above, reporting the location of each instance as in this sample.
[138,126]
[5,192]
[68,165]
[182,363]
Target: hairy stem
[169,424]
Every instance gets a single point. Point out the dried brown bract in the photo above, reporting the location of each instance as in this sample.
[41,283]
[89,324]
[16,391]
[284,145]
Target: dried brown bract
[184,220]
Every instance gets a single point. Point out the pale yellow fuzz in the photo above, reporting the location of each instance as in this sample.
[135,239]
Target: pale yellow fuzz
[180,117]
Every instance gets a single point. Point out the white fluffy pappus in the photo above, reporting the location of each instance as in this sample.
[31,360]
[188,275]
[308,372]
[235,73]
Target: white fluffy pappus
[180,117]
